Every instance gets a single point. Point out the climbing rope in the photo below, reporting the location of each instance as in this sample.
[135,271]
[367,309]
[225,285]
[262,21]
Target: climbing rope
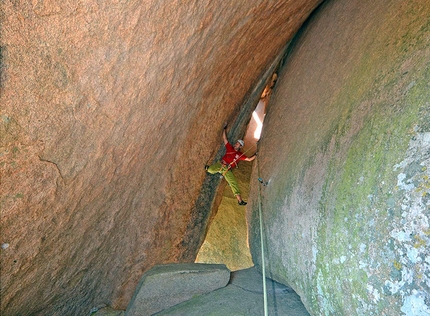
[262,240]
[234,161]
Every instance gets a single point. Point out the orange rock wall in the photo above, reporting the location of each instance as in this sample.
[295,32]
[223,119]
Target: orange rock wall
[109,112]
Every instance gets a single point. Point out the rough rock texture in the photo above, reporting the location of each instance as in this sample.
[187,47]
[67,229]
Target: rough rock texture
[109,110]
[346,151]
[164,286]
[243,296]
[108,311]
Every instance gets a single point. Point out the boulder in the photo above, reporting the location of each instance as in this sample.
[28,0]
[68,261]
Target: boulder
[167,285]
[243,296]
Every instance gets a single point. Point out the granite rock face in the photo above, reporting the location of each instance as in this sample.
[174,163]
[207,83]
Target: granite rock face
[346,151]
[109,111]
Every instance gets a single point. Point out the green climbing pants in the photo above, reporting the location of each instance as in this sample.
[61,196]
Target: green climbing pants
[228,175]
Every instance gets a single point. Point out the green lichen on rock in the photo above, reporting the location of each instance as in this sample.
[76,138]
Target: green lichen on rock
[348,227]
[362,191]
[362,217]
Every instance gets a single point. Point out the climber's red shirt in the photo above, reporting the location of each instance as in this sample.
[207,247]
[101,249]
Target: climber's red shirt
[232,156]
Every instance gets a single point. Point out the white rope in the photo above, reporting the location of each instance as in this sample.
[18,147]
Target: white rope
[262,245]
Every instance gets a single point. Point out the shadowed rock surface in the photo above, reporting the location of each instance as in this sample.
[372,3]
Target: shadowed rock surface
[164,286]
[109,311]
[243,296]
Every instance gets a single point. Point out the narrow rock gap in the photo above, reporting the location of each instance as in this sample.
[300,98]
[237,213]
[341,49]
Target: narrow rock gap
[227,238]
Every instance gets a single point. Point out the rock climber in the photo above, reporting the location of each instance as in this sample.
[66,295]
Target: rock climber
[231,157]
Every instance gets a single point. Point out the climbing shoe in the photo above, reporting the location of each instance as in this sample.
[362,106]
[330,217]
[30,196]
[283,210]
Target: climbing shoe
[241,203]
[206,167]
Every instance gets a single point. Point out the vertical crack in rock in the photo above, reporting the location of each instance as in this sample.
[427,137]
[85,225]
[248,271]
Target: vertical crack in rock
[210,193]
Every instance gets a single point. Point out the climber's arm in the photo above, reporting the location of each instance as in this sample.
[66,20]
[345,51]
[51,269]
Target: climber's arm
[250,158]
[224,135]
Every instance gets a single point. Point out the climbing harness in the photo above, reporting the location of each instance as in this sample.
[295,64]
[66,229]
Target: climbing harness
[263,266]
[234,161]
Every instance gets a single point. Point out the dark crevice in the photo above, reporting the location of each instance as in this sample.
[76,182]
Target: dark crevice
[54,163]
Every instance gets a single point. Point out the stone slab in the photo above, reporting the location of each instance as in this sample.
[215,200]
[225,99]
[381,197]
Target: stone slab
[251,280]
[243,296]
[167,285]
[109,311]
